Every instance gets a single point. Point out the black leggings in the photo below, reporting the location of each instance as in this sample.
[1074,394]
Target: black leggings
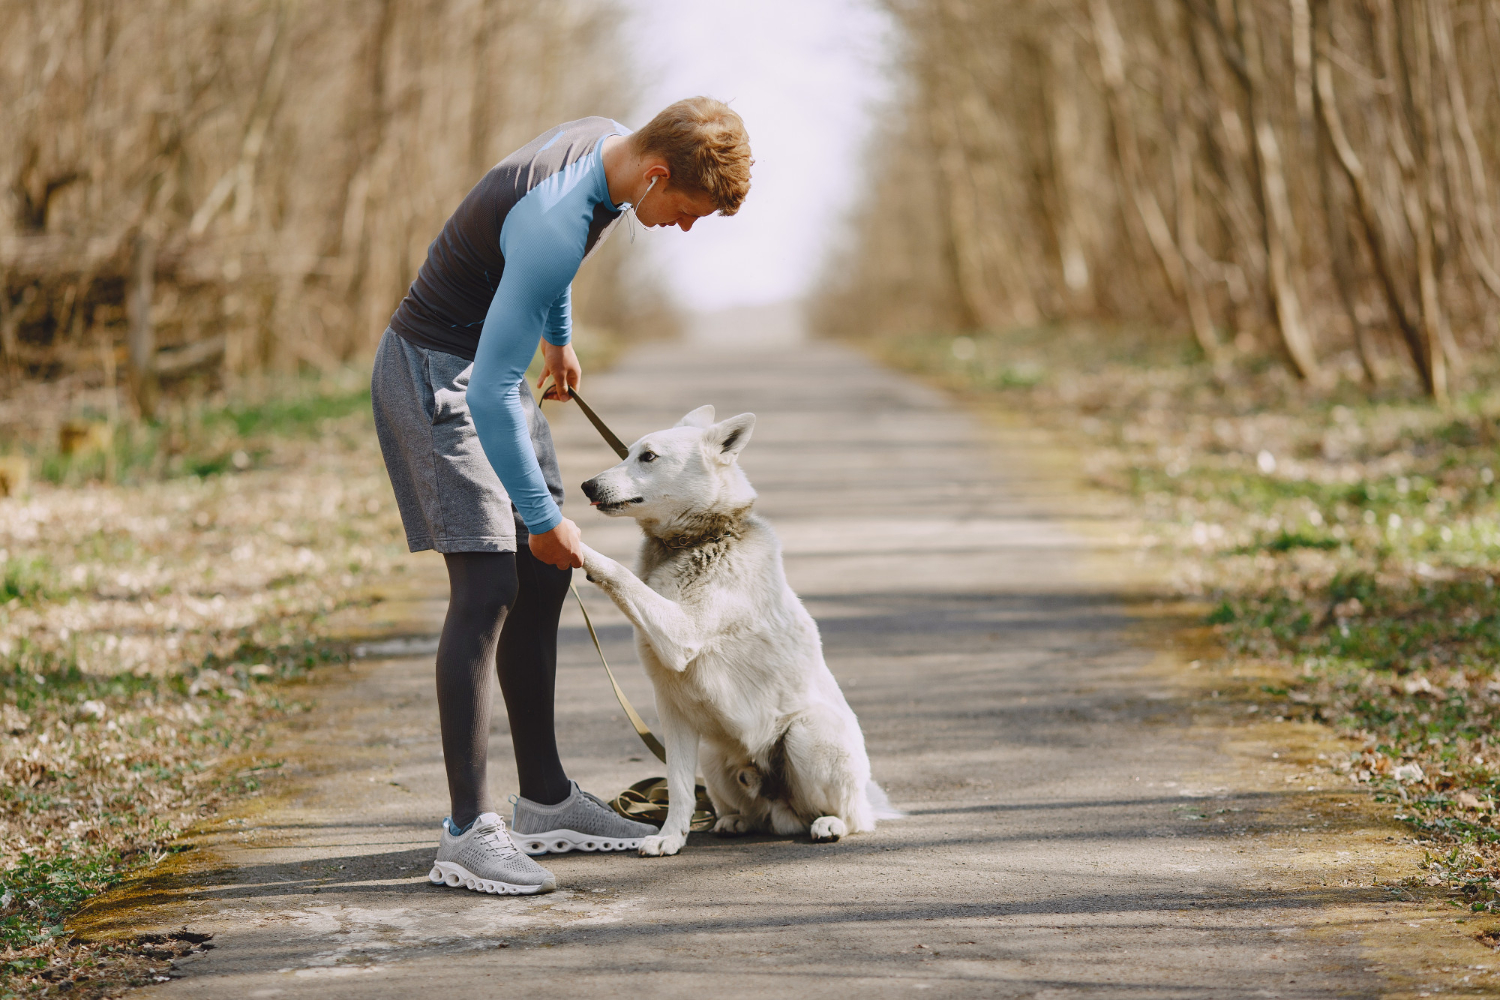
[502,610]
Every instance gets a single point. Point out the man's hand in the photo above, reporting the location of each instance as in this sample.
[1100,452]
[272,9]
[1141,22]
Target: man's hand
[562,364]
[561,547]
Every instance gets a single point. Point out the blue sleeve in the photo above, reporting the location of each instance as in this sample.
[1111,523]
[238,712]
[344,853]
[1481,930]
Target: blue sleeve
[559,327]
[542,253]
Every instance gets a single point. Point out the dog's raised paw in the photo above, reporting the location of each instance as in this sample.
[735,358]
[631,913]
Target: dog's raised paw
[732,825]
[659,847]
[828,829]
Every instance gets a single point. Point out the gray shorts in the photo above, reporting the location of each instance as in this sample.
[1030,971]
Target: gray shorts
[448,494]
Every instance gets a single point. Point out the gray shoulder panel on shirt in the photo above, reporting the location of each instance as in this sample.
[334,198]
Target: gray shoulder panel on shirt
[445,307]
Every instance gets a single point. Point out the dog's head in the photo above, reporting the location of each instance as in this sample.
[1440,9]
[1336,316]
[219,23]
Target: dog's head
[679,475]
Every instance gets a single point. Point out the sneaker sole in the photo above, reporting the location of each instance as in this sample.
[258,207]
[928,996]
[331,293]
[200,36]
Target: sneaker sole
[448,873]
[563,841]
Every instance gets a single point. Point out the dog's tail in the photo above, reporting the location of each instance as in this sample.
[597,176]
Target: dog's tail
[880,803]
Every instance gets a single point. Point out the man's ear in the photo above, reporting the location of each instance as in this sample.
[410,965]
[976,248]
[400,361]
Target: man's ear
[703,416]
[728,438]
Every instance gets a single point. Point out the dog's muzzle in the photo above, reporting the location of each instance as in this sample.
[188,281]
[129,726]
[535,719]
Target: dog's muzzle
[599,497]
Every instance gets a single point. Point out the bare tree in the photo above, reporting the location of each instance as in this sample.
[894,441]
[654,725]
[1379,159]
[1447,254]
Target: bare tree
[247,186]
[1319,168]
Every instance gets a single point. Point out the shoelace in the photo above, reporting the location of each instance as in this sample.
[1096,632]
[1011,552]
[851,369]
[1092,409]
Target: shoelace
[493,835]
[600,803]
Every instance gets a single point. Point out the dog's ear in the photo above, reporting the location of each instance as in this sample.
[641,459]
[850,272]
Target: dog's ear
[728,438]
[703,416]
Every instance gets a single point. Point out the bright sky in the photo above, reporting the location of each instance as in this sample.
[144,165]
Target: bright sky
[807,76]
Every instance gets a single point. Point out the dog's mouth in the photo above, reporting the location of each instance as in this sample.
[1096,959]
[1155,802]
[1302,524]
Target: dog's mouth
[614,506]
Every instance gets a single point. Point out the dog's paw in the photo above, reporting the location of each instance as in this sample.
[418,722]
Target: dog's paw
[732,825]
[592,564]
[660,847]
[828,829]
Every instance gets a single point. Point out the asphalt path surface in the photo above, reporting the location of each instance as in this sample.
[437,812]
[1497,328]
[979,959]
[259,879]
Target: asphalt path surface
[1013,704]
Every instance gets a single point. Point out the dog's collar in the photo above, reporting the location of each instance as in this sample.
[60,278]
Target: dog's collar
[691,541]
[710,531]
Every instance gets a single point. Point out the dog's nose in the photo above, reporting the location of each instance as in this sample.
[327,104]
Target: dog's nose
[591,489]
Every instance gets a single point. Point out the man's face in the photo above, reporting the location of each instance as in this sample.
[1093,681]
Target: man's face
[673,206]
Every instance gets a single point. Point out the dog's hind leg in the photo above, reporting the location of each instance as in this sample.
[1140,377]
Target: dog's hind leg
[681,742]
[734,801]
[827,769]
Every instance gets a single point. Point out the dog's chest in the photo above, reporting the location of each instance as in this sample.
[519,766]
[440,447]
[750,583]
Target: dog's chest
[680,574]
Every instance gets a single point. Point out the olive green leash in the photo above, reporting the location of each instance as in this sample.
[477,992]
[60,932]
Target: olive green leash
[641,729]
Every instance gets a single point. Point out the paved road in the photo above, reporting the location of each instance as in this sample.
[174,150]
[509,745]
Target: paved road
[1050,848]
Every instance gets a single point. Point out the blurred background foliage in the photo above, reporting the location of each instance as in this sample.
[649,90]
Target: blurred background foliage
[1308,179]
[197,193]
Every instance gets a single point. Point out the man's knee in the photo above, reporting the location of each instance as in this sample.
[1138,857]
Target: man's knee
[481,585]
[548,585]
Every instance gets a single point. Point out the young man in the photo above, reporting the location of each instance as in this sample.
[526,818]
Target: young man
[471,459]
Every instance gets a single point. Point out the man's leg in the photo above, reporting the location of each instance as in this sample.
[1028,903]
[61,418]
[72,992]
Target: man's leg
[527,664]
[482,589]
[552,814]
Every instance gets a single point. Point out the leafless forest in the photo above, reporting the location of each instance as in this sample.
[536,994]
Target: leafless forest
[192,186]
[1313,178]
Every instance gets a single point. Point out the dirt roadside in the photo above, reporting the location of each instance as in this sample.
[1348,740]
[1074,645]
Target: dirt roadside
[1317,835]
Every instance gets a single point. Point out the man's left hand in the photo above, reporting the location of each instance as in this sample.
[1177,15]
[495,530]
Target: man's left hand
[562,365]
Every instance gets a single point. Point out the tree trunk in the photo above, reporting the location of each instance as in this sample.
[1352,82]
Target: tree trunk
[1476,219]
[1403,103]
[1279,228]
[1340,244]
[1382,245]
[141,337]
[1066,137]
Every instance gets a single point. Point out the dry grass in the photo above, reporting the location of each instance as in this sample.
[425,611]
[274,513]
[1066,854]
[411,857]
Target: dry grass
[145,632]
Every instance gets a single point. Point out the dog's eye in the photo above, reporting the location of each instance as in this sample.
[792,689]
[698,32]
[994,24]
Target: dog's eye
[648,456]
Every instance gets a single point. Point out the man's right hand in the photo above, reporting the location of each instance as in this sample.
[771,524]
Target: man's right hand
[561,547]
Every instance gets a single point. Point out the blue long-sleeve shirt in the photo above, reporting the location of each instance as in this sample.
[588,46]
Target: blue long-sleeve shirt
[498,278]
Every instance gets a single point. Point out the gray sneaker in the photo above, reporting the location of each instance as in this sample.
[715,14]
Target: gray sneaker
[485,859]
[580,822]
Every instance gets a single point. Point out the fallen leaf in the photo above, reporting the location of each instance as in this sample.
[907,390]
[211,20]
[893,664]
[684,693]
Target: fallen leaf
[1408,773]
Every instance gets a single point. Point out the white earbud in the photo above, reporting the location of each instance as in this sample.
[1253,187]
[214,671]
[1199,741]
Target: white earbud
[633,207]
[648,191]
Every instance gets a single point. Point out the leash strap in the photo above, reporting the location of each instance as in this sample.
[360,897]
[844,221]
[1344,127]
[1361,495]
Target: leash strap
[641,729]
[604,432]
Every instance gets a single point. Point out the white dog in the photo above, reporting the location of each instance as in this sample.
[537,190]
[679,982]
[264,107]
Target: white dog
[734,656]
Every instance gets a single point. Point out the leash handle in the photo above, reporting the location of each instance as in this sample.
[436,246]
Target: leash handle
[641,729]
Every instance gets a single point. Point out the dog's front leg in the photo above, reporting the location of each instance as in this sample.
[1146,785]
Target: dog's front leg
[672,632]
[682,796]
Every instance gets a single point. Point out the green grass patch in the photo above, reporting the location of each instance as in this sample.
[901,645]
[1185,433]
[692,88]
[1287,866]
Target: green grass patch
[204,437]
[27,579]
[110,739]
[298,416]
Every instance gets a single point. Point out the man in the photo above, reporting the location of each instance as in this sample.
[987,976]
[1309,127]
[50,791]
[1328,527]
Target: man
[471,458]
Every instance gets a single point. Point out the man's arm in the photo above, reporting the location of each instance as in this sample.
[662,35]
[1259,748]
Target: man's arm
[558,360]
[558,329]
[525,306]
